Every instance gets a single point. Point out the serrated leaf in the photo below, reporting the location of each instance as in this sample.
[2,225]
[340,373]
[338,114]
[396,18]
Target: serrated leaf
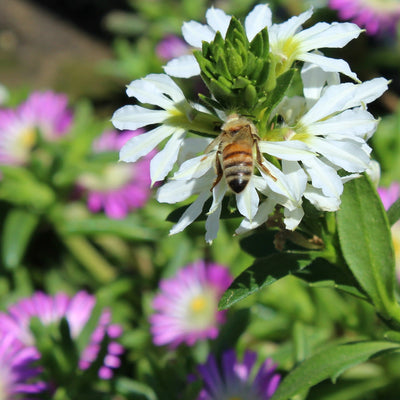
[365,240]
[329,363]
[262,273]
[18,228]
[394,212]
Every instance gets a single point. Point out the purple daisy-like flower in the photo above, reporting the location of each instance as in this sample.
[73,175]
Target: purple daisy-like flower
[186,310]
[170,47]
[237,380]
[118,188]
[375,16]
[43,112]
[77,311]
[17,372]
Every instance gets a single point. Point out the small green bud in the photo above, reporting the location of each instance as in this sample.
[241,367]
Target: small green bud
[250,96]
[234,61]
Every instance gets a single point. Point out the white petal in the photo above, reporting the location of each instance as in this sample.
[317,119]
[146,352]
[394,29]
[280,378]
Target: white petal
[184,66]
[329,64]
[164,160]
[280,184]
[134,117]
[284,31]
[190,215]
[191,146]
[257,20]
[323,35]
[264,210]
[324,177]
[368,91]
[166,85]
[218,193]
[212,225]
[293,218]
[194,33]
[346,155]
[314,79]
[148,93]
[356,122]
[143,144]
[247,201]
[321,202]
[175,191]
[218,20]
[286,150]
[295,174]
[195,167]
[335,99]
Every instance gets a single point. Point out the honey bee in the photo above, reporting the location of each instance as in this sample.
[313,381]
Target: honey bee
[237,146]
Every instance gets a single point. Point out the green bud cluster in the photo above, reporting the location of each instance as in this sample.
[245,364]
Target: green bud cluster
[240,74]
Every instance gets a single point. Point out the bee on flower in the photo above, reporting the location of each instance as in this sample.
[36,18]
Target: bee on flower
[258,146]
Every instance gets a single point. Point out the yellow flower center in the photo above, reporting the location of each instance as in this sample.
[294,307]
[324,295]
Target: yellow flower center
[286,52]
[27,137]
[198,304]
[111,178]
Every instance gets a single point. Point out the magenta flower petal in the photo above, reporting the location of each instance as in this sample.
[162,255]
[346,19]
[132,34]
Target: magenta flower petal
[376,17]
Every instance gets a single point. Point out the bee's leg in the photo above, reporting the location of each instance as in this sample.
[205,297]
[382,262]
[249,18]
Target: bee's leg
[213,144]
[218,170]
[262,166]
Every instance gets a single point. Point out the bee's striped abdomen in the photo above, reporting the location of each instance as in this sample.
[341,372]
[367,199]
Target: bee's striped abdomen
[237,163]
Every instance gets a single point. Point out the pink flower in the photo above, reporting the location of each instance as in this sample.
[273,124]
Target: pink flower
[43,113]
[376,16]
[389,196]
[76,310]
[186,309]
[170,47]
[234,380]
[118,188]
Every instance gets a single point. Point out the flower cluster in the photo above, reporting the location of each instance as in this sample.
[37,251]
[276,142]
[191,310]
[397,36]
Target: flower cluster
[19,345]
[299,147]
[44,115]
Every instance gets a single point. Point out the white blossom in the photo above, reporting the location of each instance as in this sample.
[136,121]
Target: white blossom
[161,91]
[288,41]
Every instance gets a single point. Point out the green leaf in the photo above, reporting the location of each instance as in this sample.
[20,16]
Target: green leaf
[18,229]
[129,228]
[282,84]
[140,390]
[329,363]
[394,212]
[365,240]
[262,273]
[321,273]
